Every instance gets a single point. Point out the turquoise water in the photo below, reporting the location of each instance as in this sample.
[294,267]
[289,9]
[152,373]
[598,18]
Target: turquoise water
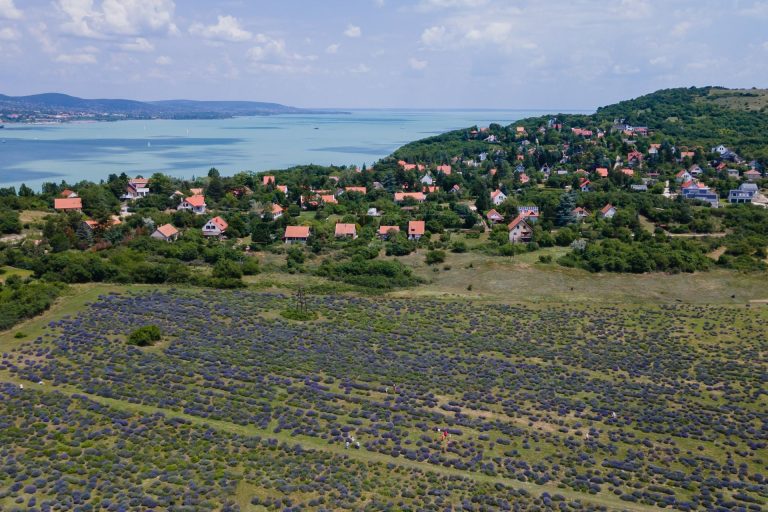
[34,154]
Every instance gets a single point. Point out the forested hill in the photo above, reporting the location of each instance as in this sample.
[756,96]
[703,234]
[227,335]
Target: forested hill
[688,117]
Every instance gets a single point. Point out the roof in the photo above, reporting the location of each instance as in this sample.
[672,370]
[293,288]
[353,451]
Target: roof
[328,198]
[493,214]
[139,182]
[167,230]
[605,209]
[383,230]
[581,210]
[496,193]
[276,208]
[266,180]
[296,232]
[416,227]
[445,169]
[401,196]
[346,229]
[196,191]
[282,188]
[74,203]
[66,192]
[196,200]
[362,190]
[602,172]
[628,172]
[517,220]
[220,223]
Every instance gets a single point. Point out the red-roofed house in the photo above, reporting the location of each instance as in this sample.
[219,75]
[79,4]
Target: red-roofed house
[73,204]
[195,204]
[345,231]
[67,194]
[498,197]
[494,216]
[283,189]
[580,213]
[445,169]
[608,211]
[519,230]
[627,171]
[166,232]
[196,191]
[415,229]
[359,190]
[584,185]
[419,197]
[215,227]
[384,231]
[752,175]
[277,211]
[296,234]
[635,157]
[602,172]
[328,199]
[266,180]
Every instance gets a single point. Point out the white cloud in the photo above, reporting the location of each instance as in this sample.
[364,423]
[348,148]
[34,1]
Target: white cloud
[9,34]
[619,69]
[138,45]
[9,11]
[765,45]
[353,31]
[633,9]
[228,28]
[163,60]
[428,5]
[272,55]
[682,28]
[433,35]
[332,48]
[417,64]
[76,58]
[360,69]
[117,17]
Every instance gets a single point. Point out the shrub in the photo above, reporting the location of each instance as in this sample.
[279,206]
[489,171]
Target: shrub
[145,336]
[435,257]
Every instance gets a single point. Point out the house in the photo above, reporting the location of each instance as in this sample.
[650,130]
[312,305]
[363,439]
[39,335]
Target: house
[266,180]
[732,173]
[277,211]
[529,211]
[634,157]
[519,230]
[608,211]
[67,194]
[328,199]
[346,231]
[415,229]
[494,216]
[166,232]
[296,234]
[683,176]
[743,194]
[455,189]
[445,169]
[635,187]
[602,172]
[627,171]
[752,175]
[384,231]
[721,150]
[282,188]
[359,190]
[427,179]
[136,189]
[432,189]
[695,171]
[195,204]
[419,197]
[92,224]
[584,185]
[524,179]
[687,154]
[498,197]
[196,191]
[580,213]
[73,204]
[700,192]
[654,149]
[410,167]
[215,227]
[373,212]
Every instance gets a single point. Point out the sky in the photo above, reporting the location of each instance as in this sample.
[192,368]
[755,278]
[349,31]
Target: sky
[548,54]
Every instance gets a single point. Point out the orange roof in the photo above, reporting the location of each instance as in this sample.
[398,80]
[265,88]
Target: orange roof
[296,232]
[416,227]
[329,198]
[445,169]
[402,196]
[605,209]
[493,214]
[517,220]
[196,200]
[66,192]
[139,182]
[266,180]
[602,172]
[221,223]
[628,172]
[496,193]
[167,230]
[362,190]
[383,230]
[346,229]
[74,203]
[276,208]
[282,188]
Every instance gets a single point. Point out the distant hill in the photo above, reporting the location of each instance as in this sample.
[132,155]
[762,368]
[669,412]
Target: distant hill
[64,107]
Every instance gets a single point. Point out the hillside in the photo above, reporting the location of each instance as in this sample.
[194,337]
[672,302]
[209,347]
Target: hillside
[55,106]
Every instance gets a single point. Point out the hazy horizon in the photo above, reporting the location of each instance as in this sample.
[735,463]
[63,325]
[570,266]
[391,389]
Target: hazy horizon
[471,54]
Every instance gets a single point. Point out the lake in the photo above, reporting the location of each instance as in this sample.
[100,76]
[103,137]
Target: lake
[34,154]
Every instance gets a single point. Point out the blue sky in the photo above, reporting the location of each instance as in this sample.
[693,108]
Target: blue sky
[382,53]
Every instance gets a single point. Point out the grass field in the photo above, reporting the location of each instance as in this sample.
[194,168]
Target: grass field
[6,272]
[598,401]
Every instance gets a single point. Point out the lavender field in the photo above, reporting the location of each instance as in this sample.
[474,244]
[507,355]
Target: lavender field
[386,404]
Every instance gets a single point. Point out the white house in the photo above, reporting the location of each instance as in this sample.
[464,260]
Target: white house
[519,230]
[608,211]
[215,227]
[195,204]
[427,179]
[498,197]
[166,232]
